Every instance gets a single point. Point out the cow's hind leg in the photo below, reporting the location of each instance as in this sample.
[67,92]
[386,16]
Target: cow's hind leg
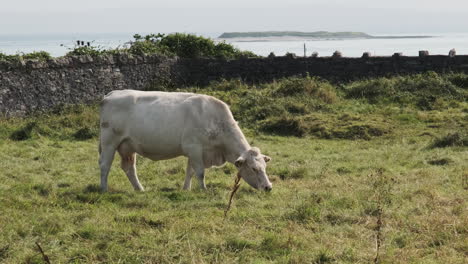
[105,162]
[128,165]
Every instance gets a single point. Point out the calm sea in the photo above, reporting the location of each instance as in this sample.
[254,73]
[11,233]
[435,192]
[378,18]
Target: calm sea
[59,44]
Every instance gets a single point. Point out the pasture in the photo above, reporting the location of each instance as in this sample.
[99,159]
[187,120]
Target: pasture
[367,172]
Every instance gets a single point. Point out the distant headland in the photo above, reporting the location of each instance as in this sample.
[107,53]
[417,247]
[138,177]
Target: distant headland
[319,35]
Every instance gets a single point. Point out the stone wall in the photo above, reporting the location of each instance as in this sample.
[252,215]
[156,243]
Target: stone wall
[31,86]
[28,87]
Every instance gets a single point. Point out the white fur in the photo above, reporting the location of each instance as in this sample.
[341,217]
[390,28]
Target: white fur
[161,125]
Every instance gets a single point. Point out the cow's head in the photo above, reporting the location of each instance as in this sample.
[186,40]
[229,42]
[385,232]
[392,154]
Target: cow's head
[252,168]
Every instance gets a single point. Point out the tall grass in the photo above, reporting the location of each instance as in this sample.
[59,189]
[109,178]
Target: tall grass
[426,91]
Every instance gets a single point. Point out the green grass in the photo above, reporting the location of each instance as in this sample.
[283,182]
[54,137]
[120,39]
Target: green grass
[329,190]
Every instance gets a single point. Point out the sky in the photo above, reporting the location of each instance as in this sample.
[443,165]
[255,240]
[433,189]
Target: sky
[217,16]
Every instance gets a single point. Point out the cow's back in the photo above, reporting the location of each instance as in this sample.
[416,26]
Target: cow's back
[157,123]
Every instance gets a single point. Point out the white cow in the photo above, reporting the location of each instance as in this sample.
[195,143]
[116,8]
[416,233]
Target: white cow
[162,125]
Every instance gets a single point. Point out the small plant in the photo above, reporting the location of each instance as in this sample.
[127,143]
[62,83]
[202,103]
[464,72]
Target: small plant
[86,50]
[305,212]
[37,55]
[236,244]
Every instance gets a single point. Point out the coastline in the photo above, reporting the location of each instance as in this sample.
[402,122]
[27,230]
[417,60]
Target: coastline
[298,38]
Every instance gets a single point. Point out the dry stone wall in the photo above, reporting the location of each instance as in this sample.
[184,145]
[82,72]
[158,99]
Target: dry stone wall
[31,86]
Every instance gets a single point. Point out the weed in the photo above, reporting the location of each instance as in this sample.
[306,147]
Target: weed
[236,244]
[323,257]
[294,173]
[306,211]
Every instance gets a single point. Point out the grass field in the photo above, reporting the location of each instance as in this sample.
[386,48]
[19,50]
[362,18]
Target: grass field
[355,180]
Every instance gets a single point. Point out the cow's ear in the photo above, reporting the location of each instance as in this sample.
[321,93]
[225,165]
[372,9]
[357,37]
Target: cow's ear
[239,162]
[266,158]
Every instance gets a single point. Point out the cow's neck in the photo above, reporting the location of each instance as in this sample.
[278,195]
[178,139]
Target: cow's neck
[236,144]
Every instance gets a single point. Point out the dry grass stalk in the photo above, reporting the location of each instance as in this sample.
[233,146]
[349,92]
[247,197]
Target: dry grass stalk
[379,225]
[234,190]
[44,256]
[378,237]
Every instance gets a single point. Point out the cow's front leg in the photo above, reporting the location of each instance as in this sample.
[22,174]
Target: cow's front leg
[188,176]
[200,173]
[195,155]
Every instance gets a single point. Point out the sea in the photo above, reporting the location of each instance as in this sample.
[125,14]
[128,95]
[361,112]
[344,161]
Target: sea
[441,43]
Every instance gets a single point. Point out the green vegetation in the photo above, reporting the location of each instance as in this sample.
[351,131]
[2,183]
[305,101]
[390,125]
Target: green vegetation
[36,55]
[351,169]
[426,91]
[176,44]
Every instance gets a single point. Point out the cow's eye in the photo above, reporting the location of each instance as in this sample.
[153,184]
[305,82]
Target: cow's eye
[255,169]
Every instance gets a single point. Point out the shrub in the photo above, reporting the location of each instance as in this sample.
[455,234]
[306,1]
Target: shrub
[147,45]
[185,46]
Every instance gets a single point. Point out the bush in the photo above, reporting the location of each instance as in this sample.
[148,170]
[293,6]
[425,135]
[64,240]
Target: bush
[148,45]
[185,46]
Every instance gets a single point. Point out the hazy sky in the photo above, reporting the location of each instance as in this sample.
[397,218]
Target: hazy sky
[213,16]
